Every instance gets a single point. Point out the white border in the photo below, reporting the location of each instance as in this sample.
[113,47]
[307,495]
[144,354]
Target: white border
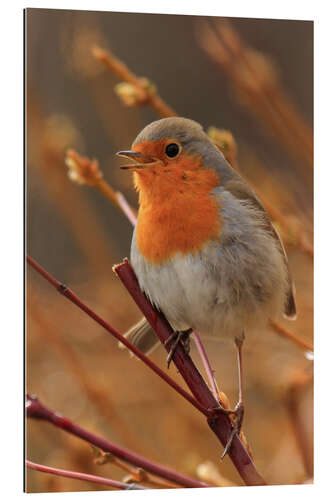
[284,9]
[12,241]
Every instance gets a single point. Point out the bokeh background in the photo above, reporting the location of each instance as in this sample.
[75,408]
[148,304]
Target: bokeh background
[73,365]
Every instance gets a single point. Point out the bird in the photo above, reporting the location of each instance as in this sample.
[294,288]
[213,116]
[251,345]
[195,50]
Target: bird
[204,250]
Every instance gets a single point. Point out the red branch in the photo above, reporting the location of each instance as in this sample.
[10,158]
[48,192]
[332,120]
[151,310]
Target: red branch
[64,290]
[84,477]
[218,421]
[35,409]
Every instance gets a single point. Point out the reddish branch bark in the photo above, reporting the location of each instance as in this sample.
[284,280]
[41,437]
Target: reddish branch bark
[35,409]
[84,477]
[218,421]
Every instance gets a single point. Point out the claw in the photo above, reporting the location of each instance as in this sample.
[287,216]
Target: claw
[177,337]
[229,442]
[238,412]
[170,338]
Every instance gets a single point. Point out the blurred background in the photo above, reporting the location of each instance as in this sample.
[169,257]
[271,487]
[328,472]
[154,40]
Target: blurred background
[252,77]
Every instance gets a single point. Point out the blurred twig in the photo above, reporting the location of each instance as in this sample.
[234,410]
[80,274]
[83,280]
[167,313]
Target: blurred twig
[53,140]
[35,409]
[226,143]
[218,421]
[134,91]
[134,475]
[82,170]
[256,80]
[284,332]
[207,471]
[301,381]
[84,477]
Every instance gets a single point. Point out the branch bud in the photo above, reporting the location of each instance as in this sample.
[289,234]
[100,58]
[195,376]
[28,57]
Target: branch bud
[81,169]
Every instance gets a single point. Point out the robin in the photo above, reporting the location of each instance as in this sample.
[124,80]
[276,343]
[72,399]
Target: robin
[204,250]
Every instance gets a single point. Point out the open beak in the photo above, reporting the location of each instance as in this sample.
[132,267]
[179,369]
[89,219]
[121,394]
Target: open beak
[140,160]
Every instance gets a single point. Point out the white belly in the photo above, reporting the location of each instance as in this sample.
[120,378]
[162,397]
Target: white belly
[226,288]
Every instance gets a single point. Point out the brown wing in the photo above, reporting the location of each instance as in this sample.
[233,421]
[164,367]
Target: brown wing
[238,188]
[142,336]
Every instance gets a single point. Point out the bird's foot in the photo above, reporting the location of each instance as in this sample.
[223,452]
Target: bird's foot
[236,416]
[176,338]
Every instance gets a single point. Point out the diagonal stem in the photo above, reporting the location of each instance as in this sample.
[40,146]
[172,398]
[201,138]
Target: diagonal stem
[35,409]
[284,332]
[125,74]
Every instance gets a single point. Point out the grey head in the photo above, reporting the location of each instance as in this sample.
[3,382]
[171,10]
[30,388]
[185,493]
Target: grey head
[181,129]
[193,139]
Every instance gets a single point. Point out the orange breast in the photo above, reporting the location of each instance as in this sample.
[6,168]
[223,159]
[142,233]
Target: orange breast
[177,212]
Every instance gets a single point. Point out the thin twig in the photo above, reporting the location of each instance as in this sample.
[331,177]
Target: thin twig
[126,208]
[284,332]
[207,365]
[134,474]
[66,292]
[143,92]
[298,235]
[218,421]
[48,165]
[293,394]
[84,477]
[275,96]
[35,409]
[84,171]
[262,92]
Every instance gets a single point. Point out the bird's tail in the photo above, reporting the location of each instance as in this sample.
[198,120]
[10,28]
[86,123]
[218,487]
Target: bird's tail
[142,336]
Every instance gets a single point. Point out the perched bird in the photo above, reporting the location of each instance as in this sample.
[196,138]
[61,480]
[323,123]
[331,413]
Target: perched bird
[204,250]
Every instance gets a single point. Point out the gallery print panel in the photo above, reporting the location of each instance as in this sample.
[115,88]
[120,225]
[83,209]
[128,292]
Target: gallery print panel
[169,223]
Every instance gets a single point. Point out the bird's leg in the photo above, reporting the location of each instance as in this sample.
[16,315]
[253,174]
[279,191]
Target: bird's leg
[238,411]
[176,338]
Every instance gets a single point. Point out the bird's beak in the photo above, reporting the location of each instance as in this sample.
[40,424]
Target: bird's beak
[140,160]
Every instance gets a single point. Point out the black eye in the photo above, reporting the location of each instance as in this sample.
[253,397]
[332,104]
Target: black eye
[172,150]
